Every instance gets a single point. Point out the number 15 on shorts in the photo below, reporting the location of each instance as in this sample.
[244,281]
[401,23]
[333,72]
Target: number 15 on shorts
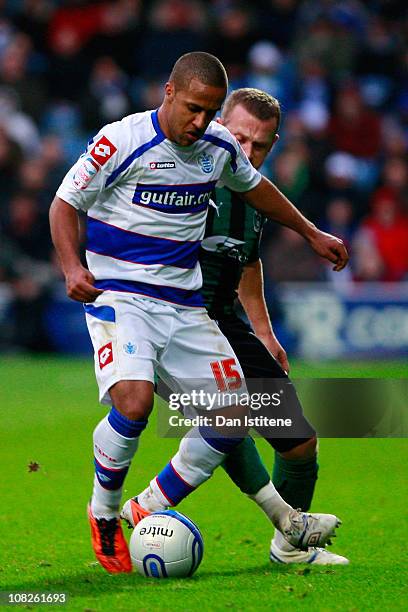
[226,374]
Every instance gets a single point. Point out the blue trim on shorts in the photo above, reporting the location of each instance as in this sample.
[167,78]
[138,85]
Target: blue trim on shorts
[104,313]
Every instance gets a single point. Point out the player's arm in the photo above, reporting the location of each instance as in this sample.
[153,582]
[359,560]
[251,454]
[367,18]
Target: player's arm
[251,296]
[267,198]
[65,233]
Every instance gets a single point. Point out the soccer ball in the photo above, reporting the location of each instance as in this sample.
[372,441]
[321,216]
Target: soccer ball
[166,544]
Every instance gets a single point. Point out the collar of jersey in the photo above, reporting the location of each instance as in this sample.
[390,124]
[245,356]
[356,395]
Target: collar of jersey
[156,124]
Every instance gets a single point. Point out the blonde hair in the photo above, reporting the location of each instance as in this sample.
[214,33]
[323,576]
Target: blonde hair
[258,103]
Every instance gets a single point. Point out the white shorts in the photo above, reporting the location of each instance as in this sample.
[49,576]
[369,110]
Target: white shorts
[133,337]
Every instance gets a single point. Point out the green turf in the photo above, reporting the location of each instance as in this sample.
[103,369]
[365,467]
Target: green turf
[49,409]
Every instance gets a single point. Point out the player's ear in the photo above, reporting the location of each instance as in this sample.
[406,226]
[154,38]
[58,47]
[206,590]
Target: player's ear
[219,120]
[169,90]
[274,141]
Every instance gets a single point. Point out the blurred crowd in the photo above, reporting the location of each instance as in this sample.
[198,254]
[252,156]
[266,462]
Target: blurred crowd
[338,67]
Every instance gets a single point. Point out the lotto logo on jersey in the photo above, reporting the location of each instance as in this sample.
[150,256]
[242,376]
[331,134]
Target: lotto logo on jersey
[105,355]
[164,165]
[103,150]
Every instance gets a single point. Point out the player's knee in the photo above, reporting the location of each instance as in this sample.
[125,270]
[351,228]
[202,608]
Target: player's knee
[135,409]
[231,422]
[133,399]
[306,450]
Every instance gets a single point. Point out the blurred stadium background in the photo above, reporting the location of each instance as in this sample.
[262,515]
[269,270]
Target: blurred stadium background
[340,70]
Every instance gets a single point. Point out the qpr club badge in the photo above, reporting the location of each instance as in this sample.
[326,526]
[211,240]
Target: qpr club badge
[130,348]
[206,162]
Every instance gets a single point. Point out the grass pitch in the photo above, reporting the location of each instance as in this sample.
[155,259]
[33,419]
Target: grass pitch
[49,410]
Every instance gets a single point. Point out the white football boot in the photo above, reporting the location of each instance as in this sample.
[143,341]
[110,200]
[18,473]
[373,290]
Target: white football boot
[303,530]
[313,556]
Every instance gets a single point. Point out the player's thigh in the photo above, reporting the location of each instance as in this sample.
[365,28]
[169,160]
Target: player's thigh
[125,341]
[199,358]
[265,375]
[198,350]
[255,359]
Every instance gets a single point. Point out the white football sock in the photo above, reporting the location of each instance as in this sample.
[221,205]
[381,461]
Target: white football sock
[192,465]
[274,506]
[152,499]
[113,454]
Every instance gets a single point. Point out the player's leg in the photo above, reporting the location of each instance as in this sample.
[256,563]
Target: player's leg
[197,349]
[116,439]
[198,345]
[124,354]
[245,468]
[198,456]
[295,475]
[295,467]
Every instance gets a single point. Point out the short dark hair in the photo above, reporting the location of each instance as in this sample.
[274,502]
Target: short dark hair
[200,65]
[258,103]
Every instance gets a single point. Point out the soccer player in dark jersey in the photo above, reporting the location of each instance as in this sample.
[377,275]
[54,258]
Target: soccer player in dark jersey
[232,268]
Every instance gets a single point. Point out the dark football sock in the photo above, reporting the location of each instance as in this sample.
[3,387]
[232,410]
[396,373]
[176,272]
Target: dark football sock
[245,468]
[295,480]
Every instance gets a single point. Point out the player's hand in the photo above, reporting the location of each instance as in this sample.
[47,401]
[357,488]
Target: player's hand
[274,346]
[330,248]
[80,285]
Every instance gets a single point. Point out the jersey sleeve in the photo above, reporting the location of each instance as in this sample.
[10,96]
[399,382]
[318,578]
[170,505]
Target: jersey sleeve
[239,174]
[255,253]
[257,223]
[93,171]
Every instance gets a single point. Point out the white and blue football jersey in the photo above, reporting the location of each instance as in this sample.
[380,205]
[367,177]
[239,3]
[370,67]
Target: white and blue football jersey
[146,201]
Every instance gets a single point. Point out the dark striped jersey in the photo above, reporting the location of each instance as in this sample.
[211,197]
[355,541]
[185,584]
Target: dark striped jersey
[232,239]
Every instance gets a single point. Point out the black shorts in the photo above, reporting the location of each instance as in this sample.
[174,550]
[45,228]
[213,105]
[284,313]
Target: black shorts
[258,363]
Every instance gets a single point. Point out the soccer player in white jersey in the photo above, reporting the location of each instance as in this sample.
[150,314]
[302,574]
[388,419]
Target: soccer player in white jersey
[145,183]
